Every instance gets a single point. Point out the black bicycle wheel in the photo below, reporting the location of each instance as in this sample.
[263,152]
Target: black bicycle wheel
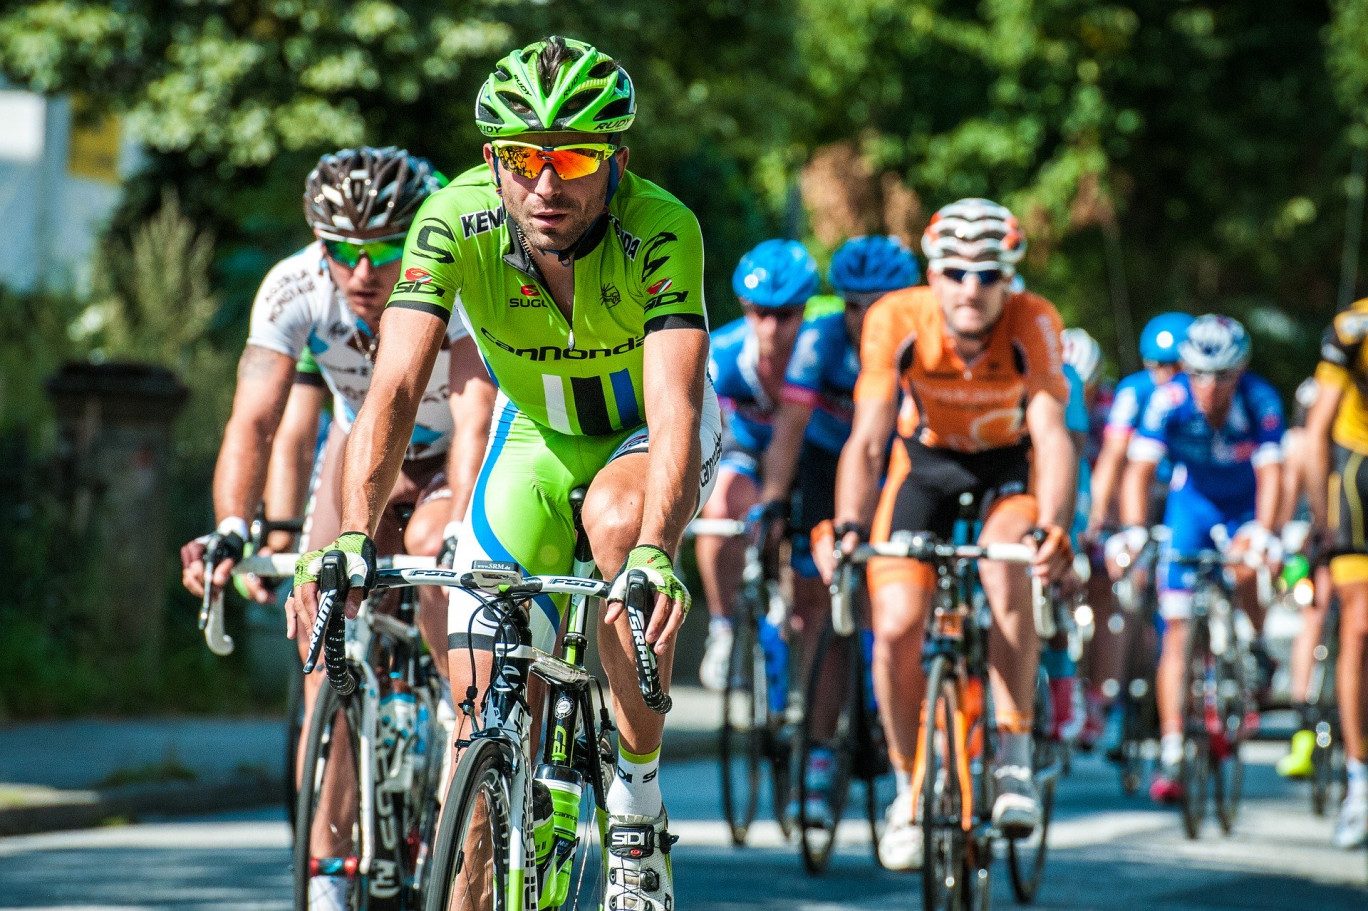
[294,729]
[470,858]
[1194,772]
[1234,701]
[329,783]
[942,805]
[1026,856]
[833,662]
[745,718]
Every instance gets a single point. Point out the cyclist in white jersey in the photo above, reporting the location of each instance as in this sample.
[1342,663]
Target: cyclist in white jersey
[326,301]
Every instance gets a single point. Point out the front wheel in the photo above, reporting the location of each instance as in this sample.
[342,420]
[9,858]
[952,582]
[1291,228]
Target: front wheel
[1195,770]
[944,843]
[470,858]
[1026,856]
[327,836]
[830,691]
[745,722]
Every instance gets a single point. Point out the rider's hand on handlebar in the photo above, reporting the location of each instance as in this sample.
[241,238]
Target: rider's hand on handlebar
[1258,544]
[1054,556]
[222,548]
[303,604]
[672,598]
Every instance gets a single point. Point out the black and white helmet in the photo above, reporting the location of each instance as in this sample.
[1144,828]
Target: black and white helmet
[973,234]
[367,193]
[1215,343]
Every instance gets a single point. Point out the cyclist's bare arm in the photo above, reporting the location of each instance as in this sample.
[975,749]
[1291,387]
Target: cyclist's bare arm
[674,366]
[263,385]
[1319,421]
[409,343]
[1056,480]
[858,472]
[1111,460]
[292,458]
[1268,494]
[1135,486]
[472,402]
[780,461]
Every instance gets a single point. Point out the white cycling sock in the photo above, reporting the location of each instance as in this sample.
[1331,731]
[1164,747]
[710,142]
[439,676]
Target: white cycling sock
[327,893]
[1171,749]
[1357,773]
[902,779]
[635,790]
[719,625]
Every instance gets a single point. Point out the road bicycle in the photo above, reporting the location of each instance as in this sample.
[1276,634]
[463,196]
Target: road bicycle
[516,835]
[1217,692]
[366,808]
[758,726]
[1138,597]
[956,746]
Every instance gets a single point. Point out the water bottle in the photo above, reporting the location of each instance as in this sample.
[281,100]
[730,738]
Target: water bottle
[867,649]
[776,665]
[420,730]
[398,719]
[556,795]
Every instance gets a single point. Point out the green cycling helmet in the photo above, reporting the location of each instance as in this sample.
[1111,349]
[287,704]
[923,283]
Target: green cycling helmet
[587,92]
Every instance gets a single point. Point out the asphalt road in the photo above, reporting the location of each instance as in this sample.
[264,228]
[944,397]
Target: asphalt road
[1108,852]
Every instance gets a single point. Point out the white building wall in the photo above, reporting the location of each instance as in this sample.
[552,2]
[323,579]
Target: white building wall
[51,218]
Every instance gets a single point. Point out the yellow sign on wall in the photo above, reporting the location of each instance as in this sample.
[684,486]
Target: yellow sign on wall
[93,152]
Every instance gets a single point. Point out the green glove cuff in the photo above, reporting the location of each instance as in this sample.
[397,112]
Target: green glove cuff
[360,551]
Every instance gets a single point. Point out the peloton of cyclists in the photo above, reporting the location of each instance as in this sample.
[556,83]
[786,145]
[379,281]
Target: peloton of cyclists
[1221,427]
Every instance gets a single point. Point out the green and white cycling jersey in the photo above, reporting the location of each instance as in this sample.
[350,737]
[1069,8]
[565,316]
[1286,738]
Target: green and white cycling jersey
[580,376]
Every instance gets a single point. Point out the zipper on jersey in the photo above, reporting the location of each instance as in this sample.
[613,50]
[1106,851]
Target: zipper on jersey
[534,273]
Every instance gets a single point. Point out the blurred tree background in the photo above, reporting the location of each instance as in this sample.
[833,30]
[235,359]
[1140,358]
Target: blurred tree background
[1162,154]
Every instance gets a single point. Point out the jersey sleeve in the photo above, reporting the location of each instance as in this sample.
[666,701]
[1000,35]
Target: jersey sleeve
[1150,442]
[880,340]
[281,319]
[307,371]
[803,378]
[431,274]
[669,265]
[1076,412]
[1267,413]
[1039,335]
[1341,346]
[1124,415]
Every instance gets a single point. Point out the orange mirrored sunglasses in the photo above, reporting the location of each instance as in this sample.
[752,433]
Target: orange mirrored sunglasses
[568,161]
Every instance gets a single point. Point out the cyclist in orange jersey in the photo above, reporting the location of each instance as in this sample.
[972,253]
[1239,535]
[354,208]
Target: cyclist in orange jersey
[980,370]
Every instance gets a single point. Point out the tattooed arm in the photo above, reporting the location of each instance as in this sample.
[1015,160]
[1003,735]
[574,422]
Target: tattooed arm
[263,386]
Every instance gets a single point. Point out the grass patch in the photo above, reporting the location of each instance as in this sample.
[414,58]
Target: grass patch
[168,769]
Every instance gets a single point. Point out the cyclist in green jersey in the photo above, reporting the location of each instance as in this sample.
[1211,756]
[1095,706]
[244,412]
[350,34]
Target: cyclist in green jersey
[581,283]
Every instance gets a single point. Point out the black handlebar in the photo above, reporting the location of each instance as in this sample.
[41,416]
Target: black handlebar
[639,601]
[330,628]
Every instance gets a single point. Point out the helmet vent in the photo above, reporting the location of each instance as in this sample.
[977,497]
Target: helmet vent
[603,70]
[620,108]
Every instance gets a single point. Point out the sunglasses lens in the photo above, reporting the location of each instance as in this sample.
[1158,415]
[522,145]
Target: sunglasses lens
[568,163]
[986,278]
[380,252]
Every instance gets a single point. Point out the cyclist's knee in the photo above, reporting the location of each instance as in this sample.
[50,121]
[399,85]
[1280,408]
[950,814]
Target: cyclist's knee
[423,536]
[899,617]
[733,496]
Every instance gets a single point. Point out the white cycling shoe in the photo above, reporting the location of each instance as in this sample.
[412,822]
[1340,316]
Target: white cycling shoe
[327,893]
[1016,811]
[640,875]
[900,848]
[712,672]
[1351,829]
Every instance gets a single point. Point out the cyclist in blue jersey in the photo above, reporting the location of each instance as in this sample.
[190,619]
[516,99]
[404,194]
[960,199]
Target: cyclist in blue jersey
[747,363]
[1159,342]
[809,429]
[1222,429]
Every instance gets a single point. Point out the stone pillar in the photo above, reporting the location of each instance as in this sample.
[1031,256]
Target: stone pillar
[115,424]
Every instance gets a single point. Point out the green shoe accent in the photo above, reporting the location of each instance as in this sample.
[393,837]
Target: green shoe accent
[1297,763]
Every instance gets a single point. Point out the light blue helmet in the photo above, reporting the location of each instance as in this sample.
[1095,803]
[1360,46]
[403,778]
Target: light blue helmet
[1160,338]
[1215,343]
[777,273]
[875,263]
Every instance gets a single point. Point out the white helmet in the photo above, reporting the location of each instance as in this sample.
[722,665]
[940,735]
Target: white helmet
[1215,343]
[974,234]
[1082,352]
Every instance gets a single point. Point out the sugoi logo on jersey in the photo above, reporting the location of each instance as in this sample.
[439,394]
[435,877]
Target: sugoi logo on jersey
[481,222]
[531,297]
[630,243]
[659,287]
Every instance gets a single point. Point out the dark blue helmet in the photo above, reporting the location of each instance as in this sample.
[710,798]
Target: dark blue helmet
[777,273]
[1160,338]
[875,263]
